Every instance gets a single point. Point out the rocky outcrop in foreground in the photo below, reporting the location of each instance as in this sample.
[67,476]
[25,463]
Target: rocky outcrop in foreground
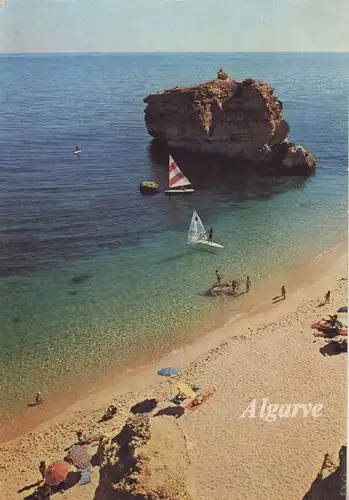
[238,120]
[330,483]
[147,460]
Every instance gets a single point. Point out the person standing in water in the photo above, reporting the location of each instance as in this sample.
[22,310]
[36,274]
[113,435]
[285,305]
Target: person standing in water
[210,234]
[219,277]
[38,398]
[248,284]
[283,292]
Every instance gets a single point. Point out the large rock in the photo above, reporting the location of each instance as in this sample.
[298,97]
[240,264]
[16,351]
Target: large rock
[238,120]
[331,481]
[147,460]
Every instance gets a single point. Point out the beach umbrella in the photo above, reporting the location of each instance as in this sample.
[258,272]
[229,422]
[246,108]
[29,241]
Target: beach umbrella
[79,456]
[186,389]
[56,473]
[170,371]
[343,309]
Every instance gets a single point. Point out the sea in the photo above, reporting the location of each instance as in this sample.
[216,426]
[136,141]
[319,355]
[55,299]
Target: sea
[96,278]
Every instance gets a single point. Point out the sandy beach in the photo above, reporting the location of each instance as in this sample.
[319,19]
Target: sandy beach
[268,353]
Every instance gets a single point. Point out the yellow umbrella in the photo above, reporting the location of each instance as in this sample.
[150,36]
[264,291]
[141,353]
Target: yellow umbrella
[186,389]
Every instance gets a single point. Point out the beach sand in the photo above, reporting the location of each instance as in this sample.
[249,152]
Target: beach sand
[270,354]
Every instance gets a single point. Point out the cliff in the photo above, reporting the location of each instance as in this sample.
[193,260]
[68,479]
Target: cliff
[147,460]
[238,120]
[331,482]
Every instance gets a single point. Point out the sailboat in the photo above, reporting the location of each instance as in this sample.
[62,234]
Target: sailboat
[177,180]
[197,234]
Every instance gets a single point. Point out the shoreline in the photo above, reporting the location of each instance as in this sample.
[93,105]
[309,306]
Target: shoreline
[271,353]
[228,312]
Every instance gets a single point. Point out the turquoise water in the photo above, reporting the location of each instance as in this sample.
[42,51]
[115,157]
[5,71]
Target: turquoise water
[144,290]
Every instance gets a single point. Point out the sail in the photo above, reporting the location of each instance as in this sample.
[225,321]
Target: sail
[176,177]
[197,230]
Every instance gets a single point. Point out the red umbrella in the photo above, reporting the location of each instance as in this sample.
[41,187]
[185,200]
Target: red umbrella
[56,473]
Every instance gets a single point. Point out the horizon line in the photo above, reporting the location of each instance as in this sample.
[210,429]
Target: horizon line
[180,52]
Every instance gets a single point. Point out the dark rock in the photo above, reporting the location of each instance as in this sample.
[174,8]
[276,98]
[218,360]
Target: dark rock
[80,278]
[237,120]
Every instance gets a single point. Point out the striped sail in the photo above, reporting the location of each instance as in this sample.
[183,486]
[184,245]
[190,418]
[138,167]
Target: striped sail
[176,177]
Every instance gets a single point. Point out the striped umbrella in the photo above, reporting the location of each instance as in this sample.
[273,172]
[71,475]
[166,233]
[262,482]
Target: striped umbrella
[56,473]
[79,456]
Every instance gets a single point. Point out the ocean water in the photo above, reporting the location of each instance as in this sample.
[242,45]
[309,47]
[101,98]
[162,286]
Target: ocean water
[141,290]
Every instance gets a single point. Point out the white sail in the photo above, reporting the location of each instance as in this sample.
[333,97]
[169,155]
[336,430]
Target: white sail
[176,176]
[197,230]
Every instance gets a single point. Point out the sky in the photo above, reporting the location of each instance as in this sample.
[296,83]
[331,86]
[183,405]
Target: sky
[174,25]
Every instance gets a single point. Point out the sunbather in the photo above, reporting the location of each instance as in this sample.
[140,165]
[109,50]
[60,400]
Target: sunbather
[200,399]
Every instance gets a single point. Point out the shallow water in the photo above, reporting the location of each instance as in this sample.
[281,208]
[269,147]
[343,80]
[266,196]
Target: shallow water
[140,289]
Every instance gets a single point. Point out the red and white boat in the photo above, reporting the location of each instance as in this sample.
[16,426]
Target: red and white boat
[177,180]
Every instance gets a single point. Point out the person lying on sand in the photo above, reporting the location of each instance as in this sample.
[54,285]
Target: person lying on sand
[200,399]
[111,411]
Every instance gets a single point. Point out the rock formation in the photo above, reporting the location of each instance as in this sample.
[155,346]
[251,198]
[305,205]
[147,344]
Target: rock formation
[145,461]
[330,483]
[238,120]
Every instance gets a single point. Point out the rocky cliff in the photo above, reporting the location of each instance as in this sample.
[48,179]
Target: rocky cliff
[331,481]
[238,120]
[147,460]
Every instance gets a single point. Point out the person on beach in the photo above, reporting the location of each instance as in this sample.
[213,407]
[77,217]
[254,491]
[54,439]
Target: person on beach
[219,277]
[327,297]
[38,398]
[42,468]
[210,234]
[283,292]
[81,436]
[111,411]
[248,284]
[333,319]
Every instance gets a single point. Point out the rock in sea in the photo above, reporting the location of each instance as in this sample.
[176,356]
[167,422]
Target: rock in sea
[236,120]
[80,278]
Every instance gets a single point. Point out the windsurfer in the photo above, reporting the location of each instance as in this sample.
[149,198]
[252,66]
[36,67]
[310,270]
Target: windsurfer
[210,234]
